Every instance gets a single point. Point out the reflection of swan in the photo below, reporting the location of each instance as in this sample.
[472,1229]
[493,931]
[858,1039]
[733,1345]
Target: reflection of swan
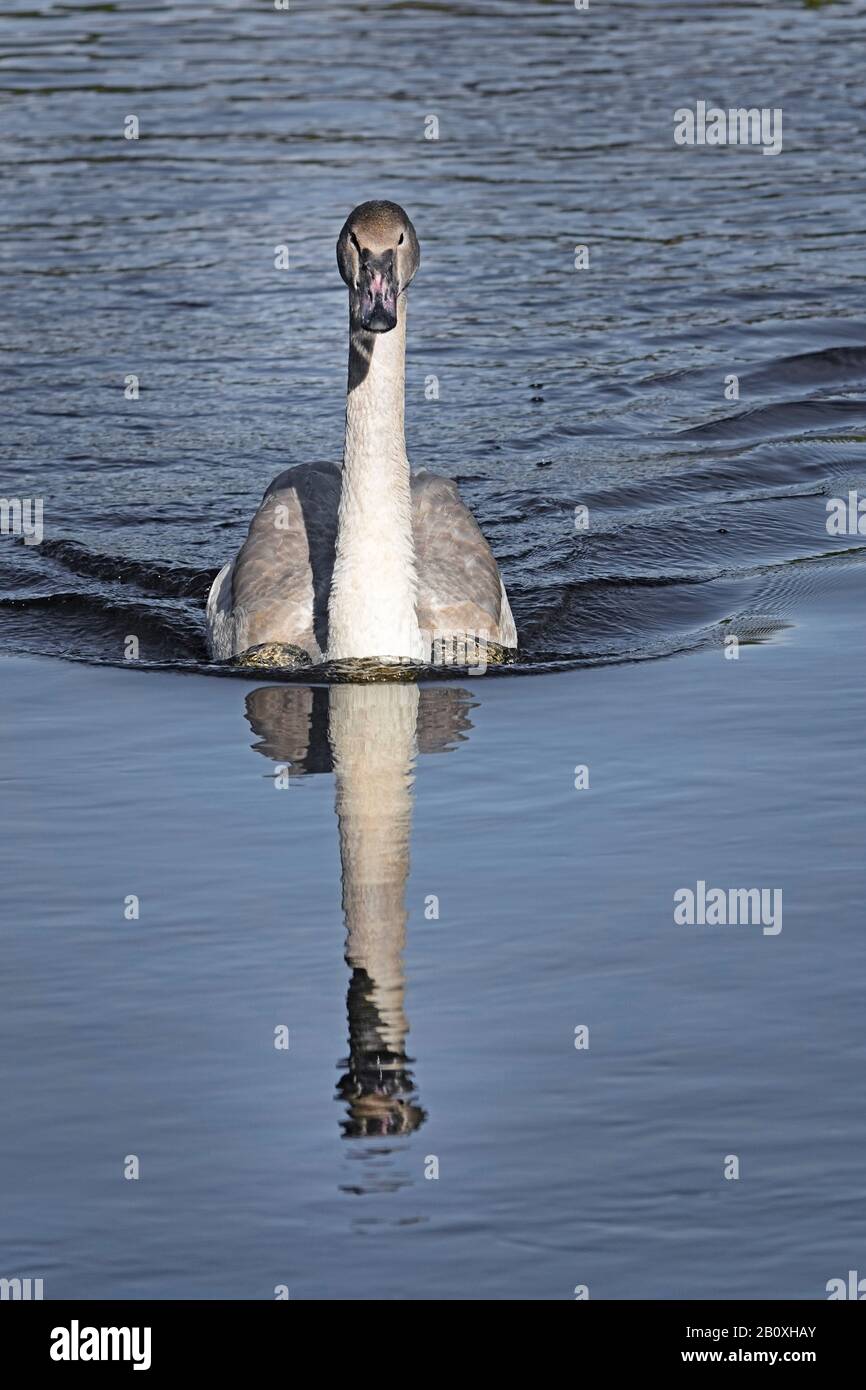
[369,735]
[373,744]
[370,561]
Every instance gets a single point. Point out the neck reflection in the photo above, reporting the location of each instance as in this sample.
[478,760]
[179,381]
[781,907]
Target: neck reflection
[370,737]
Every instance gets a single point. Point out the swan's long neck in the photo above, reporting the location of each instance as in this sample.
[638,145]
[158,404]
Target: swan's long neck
[372,607]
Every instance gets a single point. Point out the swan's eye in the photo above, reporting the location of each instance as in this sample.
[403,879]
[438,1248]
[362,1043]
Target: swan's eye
[400,242]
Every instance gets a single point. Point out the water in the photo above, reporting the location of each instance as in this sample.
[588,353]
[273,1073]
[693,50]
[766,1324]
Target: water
[307,906]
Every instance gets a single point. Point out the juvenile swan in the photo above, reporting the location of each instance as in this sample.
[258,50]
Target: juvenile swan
[370,560]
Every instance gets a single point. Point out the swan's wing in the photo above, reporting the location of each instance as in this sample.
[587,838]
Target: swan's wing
[459,588]
[277,588]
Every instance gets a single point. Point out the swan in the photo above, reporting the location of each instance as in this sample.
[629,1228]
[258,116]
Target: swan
[369,560]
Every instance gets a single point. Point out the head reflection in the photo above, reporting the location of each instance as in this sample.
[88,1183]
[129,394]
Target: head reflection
[370,737]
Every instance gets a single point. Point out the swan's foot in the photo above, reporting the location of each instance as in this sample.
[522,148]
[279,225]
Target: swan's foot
[274,654]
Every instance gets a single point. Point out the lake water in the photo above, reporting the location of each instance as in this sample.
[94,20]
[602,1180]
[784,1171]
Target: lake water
[423,905]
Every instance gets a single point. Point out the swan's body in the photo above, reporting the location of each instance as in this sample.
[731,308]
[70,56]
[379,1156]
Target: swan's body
[367,561]
[277,589]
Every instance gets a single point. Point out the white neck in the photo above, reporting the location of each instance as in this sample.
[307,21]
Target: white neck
[372,607]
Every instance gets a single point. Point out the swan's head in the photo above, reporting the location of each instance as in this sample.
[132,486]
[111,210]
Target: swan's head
[378,253]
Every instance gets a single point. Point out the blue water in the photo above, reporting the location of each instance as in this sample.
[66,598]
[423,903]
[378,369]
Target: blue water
[429,906]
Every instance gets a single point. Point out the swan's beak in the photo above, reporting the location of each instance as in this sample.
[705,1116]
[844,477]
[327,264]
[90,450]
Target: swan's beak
[378,307]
